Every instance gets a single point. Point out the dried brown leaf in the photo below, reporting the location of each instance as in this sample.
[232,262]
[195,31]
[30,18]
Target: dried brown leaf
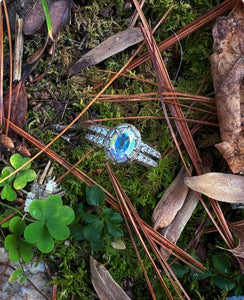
[23,150]
[6,142]
[228,72]
[109,47]
[59,12]
[174,230]
[239,231]
[171,202]
[60,15]
[18,105]
[104,284]
[219,186]
[35,18]
[35,56]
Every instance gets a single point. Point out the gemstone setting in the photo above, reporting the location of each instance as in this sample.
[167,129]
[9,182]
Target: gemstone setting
[123,144]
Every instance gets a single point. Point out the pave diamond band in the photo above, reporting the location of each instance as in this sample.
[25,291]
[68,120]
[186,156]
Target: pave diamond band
[123,144]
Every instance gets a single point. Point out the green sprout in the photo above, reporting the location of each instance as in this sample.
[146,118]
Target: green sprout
[17,181]
[52,220]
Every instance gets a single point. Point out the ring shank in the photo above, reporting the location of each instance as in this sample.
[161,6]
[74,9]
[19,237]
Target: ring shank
[147,155]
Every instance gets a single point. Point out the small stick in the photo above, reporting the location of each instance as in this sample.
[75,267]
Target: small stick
[18,51]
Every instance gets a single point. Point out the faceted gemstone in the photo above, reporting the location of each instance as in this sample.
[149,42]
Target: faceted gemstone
[122,143]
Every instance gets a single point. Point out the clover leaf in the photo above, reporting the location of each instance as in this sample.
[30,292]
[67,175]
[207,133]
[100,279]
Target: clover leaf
[53,219]
[94,195]
[17,181]
[15,245]
[17,161]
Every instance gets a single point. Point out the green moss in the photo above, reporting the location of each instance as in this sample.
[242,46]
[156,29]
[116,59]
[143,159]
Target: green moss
[91,24]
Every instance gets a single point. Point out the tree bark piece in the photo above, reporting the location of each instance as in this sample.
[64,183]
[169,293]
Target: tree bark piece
[228,73]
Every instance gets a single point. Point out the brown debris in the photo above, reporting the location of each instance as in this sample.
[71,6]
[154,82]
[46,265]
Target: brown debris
[173,231]
[219,186]
[104,284]
[239,231]
[228,72]
[114,44]
[171,202]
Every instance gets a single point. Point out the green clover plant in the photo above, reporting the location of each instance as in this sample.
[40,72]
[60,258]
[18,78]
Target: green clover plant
[15,244]
[100,228]
[51,223]
[17,181]
[220,275]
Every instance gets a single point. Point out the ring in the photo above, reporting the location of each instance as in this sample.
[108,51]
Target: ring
[123,144]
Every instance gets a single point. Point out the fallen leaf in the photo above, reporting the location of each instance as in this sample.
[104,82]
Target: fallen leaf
[173,231]
[109,47]
[118,244]
[104,284]
[6,142]
[60,15]
[227,64]
[239,231]
[23,150]
[18,106]
[219,186]
[35,18]
[171,202]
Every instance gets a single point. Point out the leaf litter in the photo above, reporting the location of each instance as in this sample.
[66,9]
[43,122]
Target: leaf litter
[179,207]
[227,64]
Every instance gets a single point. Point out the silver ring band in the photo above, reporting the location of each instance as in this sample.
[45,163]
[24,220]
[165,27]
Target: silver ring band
[123,144]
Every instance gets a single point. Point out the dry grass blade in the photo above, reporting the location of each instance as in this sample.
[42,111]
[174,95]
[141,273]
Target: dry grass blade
[125,210]
[187,139]
[74,121]
[137,223]
[192,27]
[1,66]
[155,118]
[111,200]
[10,67]
[164,84]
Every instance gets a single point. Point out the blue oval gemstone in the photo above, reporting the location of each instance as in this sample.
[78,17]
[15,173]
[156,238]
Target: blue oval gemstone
[122,143]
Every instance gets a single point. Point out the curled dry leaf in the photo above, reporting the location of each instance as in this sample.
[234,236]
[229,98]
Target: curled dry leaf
[227,65]
[6,142]
[239,231]
[104,284]
[219,186]
[109,47]
[173,231]
[171,202]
